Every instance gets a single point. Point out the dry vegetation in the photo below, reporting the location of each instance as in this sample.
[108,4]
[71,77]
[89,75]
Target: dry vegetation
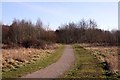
[13,58]
[86,66]
[106,54]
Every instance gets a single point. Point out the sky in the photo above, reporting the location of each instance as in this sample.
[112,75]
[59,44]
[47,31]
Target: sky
[55,14]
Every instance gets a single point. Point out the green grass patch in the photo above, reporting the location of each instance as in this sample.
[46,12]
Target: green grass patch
[34,66]
[86,65]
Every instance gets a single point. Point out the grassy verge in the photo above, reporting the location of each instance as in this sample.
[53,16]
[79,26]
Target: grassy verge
[34,66]
[86,65]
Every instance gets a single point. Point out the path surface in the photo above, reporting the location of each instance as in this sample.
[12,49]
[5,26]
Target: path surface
[58,68]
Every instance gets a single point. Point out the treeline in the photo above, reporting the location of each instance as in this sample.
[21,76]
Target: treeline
[26,34]
[87,32]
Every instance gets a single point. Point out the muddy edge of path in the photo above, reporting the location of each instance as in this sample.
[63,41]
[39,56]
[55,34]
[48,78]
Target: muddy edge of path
[58,68]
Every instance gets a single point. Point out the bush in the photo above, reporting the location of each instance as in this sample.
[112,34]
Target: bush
[34,43]
[27,43]
[39,44]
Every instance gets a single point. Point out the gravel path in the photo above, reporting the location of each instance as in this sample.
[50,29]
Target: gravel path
[56,69]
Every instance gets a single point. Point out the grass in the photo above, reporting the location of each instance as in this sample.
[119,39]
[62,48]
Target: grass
[109,59]
[34,66]
[86,65]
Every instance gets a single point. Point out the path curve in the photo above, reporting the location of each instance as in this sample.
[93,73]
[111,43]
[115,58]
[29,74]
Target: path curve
[58,68]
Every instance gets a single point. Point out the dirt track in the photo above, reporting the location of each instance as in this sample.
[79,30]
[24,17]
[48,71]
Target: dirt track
[56,69]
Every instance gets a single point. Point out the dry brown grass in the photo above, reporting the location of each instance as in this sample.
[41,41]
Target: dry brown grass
[12,58]
[109,54]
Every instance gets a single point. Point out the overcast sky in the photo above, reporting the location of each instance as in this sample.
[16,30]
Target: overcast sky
[57,13]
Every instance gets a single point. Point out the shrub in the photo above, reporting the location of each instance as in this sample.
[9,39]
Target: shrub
[27,43]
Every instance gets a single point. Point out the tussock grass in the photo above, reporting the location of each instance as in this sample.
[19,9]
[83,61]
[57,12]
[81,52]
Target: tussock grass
[34,65]
[108,57]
